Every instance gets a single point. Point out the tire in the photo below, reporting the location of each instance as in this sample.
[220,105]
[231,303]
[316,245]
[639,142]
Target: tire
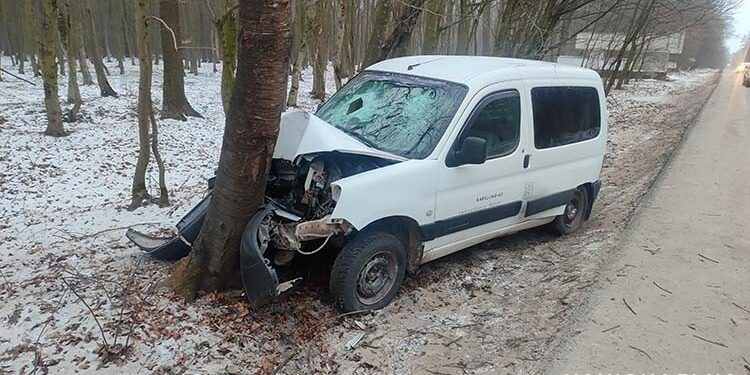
[368,272]
[575,213]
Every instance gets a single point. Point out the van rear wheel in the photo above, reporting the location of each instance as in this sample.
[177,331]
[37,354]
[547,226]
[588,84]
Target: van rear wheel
[574,215]
[368,272]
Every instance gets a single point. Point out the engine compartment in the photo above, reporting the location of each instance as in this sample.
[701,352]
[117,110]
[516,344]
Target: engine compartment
[303,201]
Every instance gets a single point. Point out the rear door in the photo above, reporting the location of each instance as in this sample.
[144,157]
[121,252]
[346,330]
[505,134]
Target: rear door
[567,145]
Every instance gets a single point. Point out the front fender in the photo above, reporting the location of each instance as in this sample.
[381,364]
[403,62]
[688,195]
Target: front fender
[405,189]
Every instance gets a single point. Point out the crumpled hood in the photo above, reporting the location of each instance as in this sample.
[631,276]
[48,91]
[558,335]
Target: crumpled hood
[302,133]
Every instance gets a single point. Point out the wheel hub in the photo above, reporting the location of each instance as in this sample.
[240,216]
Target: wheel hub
[571,211]
[375,279]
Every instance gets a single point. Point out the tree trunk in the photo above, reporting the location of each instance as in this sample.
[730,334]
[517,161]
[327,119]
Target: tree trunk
[139,192]
[341,30]
[101,77]
[297,50]
[85,72]
[249,138]
[431,27]
[174,102]
[31,36]
[463,40]
[394,45]
[227,28]
[379,33]
[49,70]
[74,93]
[318,49]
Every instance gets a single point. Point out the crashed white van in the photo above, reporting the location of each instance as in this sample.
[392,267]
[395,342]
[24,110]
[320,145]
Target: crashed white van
[418,157]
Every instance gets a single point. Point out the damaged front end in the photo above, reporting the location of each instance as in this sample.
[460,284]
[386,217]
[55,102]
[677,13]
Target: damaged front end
[296,219]
[297,216]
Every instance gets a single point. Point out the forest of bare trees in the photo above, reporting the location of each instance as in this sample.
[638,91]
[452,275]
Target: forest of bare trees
[55,39]
[350,34]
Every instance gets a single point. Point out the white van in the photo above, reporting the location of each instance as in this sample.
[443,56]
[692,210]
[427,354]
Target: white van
[418,157]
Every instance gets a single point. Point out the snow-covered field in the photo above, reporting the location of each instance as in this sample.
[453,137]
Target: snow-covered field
[66,267]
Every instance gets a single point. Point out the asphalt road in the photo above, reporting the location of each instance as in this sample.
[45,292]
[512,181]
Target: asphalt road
[678,298]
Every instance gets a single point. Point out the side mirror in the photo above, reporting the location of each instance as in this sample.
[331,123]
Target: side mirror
[473,151]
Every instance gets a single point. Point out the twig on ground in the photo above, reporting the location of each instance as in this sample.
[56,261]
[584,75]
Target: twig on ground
[707,258]
[740,307]
[37,350]
[640,351]
[611,329]
[660,287]
[454,341]
[357,312]
[125,299]
[628,306]
[711,341]
[8,285]
[284,362]
[104,337]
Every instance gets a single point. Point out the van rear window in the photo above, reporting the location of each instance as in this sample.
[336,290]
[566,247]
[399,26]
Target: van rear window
[565,115]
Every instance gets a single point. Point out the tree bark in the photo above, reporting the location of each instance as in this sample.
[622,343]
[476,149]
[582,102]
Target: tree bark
[249,138]
[394,45]
[379,32]
[49,69]
[340,54]
[139,191]
[318,39]
[431,27]
[175,104]
[297,50]
[85,72]
[226,25]
[101,77]
[30,36]
[68,36]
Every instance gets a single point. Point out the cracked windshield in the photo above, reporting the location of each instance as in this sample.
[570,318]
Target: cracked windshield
[400,114]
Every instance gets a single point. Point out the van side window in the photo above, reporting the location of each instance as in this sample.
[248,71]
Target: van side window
[497,120]
[565,115]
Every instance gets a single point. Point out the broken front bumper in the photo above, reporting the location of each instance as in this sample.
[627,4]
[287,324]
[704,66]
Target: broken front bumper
[174,247]
[258,278]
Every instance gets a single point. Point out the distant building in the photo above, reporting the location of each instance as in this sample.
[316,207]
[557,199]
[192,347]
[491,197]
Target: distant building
[597,50]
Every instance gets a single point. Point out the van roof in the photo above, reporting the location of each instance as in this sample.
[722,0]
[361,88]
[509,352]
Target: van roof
[478,69]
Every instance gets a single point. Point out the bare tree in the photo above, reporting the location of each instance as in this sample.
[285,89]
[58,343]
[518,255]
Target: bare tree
[297,50]
[47,54]
[68,37]
[174,101]
[249,137]
[148,138]
[226,26]
[101,77]
[318,46]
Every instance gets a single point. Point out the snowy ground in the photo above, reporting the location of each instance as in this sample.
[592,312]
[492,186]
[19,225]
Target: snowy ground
[67,268]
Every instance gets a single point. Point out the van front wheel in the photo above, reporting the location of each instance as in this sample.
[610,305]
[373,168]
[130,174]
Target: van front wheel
[575,212]
[368,272]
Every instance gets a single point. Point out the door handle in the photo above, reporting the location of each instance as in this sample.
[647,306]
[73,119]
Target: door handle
[526,161]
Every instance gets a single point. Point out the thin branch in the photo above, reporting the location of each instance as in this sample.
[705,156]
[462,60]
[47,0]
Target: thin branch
[21,78]
[104,337]
[174,38]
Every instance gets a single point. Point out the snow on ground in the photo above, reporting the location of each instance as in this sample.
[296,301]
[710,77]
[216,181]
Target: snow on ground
[62,220]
